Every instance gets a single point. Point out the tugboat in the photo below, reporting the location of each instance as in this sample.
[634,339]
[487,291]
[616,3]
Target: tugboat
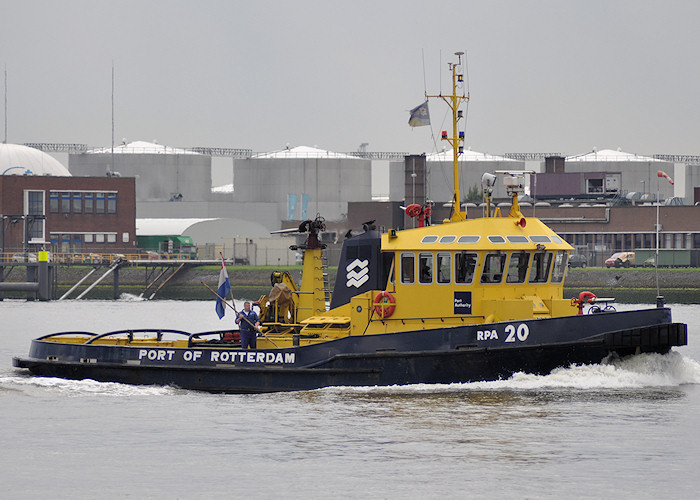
[462,301]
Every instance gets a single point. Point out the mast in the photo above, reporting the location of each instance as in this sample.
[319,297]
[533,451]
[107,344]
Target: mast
[454,101]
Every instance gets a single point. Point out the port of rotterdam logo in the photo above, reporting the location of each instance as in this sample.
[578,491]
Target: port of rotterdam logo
[357,273]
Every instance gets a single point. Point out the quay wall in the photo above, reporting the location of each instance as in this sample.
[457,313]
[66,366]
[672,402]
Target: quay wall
[636,285]
[626,285]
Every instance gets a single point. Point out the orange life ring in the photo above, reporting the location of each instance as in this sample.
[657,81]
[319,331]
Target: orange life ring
[380,304]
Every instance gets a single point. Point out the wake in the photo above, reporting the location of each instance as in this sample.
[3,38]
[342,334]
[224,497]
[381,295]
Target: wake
[88,387]
[634,372]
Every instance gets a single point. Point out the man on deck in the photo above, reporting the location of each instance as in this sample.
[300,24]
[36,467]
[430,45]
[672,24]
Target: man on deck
[249,324]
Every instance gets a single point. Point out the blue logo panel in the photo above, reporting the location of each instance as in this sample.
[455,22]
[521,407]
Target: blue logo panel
[463,303]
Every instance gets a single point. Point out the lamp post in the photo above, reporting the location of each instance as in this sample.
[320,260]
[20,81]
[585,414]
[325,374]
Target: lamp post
[659,174]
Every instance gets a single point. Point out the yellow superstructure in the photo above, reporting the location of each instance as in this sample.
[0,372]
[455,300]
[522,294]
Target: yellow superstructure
[470,272]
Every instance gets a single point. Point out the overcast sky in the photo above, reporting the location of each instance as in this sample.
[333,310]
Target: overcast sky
[544,76]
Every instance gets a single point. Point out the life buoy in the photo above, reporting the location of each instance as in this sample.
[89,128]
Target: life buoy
[583,297]
[427,211]
[380,304]
[414,210]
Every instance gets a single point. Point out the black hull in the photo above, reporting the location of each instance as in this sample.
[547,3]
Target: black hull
[446,355]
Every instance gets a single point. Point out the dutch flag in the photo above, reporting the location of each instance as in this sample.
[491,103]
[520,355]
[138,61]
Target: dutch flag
[223,290]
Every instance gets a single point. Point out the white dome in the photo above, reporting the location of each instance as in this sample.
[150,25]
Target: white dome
[22,160]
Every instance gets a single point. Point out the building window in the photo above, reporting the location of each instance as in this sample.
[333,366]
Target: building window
[34,203]
[53,203]
[65,203]
[628,242]
[637,241]
[594,186]
[89,202]
[65,243]
[99,203]
[112,238]
[77,242]
[112,203]
[77,203]
[88,238]
[99,238]
[125,237]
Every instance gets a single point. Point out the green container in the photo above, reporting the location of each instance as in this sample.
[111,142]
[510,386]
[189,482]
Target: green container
[668,257]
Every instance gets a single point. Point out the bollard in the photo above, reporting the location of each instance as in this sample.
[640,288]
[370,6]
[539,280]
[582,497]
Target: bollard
[44,277]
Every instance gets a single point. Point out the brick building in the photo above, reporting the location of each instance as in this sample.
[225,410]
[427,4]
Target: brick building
[67,214]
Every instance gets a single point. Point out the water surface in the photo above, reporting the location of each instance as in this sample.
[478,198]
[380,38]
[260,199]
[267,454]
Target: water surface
[627,429]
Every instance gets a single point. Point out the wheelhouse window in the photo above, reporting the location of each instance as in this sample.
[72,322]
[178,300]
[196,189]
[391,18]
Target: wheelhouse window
[408,268]
[494,264]
[387,263]
[444,267]
[539,271]
[517,267]
[465,266]
[425,264]
[561,260]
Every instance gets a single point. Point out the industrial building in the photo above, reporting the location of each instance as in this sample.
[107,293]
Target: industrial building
[297,183]
[619,171]
[42,205]
[164,174]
